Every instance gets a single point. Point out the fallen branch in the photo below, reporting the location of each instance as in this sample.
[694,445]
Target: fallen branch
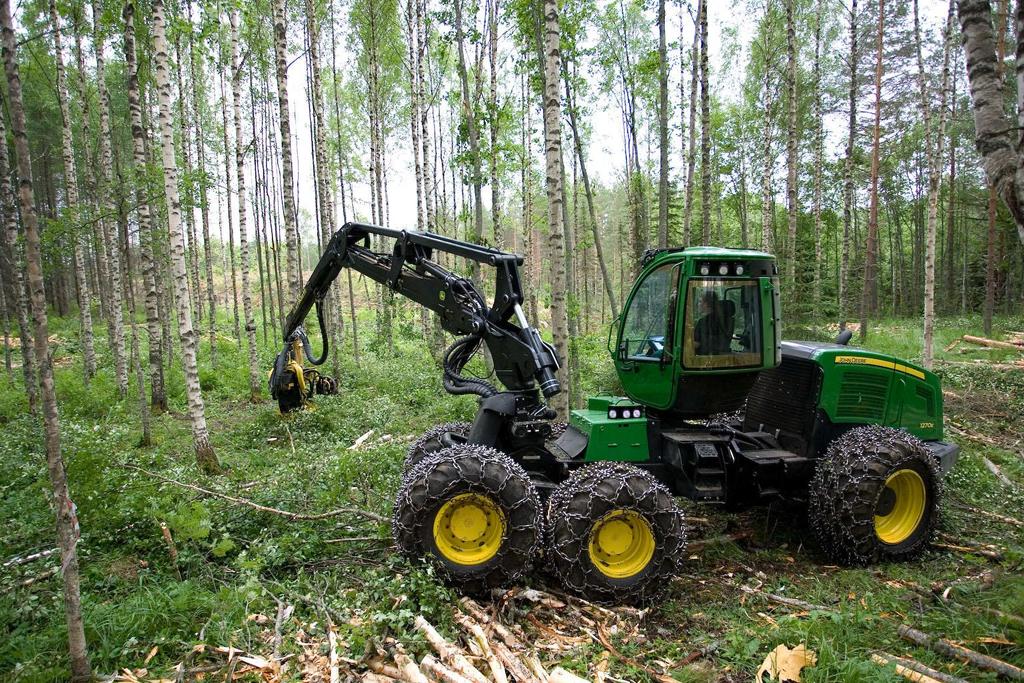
[360,441]
[788,602]
[1001,616]
[997,473]
[698,653]
[480,638]
[966,550]
[913,666]
[408,667]
[478,613]
[905,672]
[332,640]
[602,638]
[25,559]
[992,343]
[32,579]
[295,516]
[985,513]
[440,672]
[560,675]
[717,540]
[449,654]
[950,649]
[353,539]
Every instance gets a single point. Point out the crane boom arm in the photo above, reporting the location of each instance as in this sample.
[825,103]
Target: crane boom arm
[522,361]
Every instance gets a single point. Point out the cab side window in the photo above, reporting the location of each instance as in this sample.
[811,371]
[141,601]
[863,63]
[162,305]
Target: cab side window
[645,330]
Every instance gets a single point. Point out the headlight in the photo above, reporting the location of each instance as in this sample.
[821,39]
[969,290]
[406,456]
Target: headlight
[723,269]
[705,269]
[613,413]
[739,270]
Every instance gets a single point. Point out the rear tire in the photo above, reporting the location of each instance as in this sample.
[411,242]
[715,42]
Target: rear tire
[875,497]
[433,440]
[473,513]
[614,533]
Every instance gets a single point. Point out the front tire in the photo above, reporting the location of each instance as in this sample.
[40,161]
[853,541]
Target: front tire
[874,497]
[433,440]
[473,513]
[614,533]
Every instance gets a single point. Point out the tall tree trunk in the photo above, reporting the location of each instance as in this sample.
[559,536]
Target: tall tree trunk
[868,295]
[473,135]
[105,203]
[933,149]
[493,120]
[185,131]
[819,156]
[991,257]
[64,507]
[691,155]
[848,191]
[705,127]
[11,273]
[243,236]
[150,270]
[553,155]
[205,456]
[229,214]
[291,233]
[662,128]
[72,210]
[791,156]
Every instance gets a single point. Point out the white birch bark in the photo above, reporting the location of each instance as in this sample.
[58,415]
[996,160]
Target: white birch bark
[290,229]
[205,456]
[64,507]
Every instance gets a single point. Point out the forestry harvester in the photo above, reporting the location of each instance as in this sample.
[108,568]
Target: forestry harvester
[716,409]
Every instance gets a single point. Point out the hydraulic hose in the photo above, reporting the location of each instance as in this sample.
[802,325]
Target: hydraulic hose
[456,357]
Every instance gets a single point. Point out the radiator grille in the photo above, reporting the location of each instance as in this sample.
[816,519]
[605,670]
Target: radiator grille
[785,397]
[862,395]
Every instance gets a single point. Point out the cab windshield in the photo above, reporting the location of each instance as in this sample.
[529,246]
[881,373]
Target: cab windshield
[646,331]
[723,324]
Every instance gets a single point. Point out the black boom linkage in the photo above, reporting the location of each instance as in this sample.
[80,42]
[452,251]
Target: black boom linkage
[522,361]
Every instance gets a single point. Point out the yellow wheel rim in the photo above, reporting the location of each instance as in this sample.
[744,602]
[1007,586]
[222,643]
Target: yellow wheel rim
[621,544]
[469,529]
[902,505]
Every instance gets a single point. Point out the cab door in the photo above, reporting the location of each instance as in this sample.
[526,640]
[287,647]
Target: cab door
[645,353]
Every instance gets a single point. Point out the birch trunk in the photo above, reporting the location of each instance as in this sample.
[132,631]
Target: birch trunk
[228,209]
[494,119]
[12,268]
[72,213]
[291,232]
[150,272]
[553,166]
[185,131]
[848,191]
[64,507]
[870,275]
[205,456]
[705,128]
[662,129]
[791,157]
[934,150]
[819,159]
[691,155]
[243,237]
[473,135]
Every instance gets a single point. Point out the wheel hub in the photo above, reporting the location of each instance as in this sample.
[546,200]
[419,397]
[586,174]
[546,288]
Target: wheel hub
[900,507]
[621,544]
[468,529]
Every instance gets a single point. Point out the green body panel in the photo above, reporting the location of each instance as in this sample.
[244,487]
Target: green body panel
[608,439]
[864,387]
[655,381]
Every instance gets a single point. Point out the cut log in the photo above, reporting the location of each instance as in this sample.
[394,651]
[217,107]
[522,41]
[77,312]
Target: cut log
[440,672]
[538,670]
[480,638]
[914,666]
[950,649]
[903,671]
[513,664]
[450,655]
[560,675]
[477,612]
[993,343]
[411,672]
[379,666]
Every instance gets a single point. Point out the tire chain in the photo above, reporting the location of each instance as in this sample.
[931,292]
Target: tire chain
[845,489]
[469,468]
[430,442]
[587,495]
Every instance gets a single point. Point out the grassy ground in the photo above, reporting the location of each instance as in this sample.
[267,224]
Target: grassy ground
[234,563]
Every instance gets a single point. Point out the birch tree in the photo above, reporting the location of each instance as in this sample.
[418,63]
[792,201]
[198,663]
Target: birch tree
[867,300]
[72,212]
[291,233]
[205,455]
[64,507]
[552,67]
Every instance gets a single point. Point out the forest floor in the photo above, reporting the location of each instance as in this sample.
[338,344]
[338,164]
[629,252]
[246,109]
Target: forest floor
[253,595]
